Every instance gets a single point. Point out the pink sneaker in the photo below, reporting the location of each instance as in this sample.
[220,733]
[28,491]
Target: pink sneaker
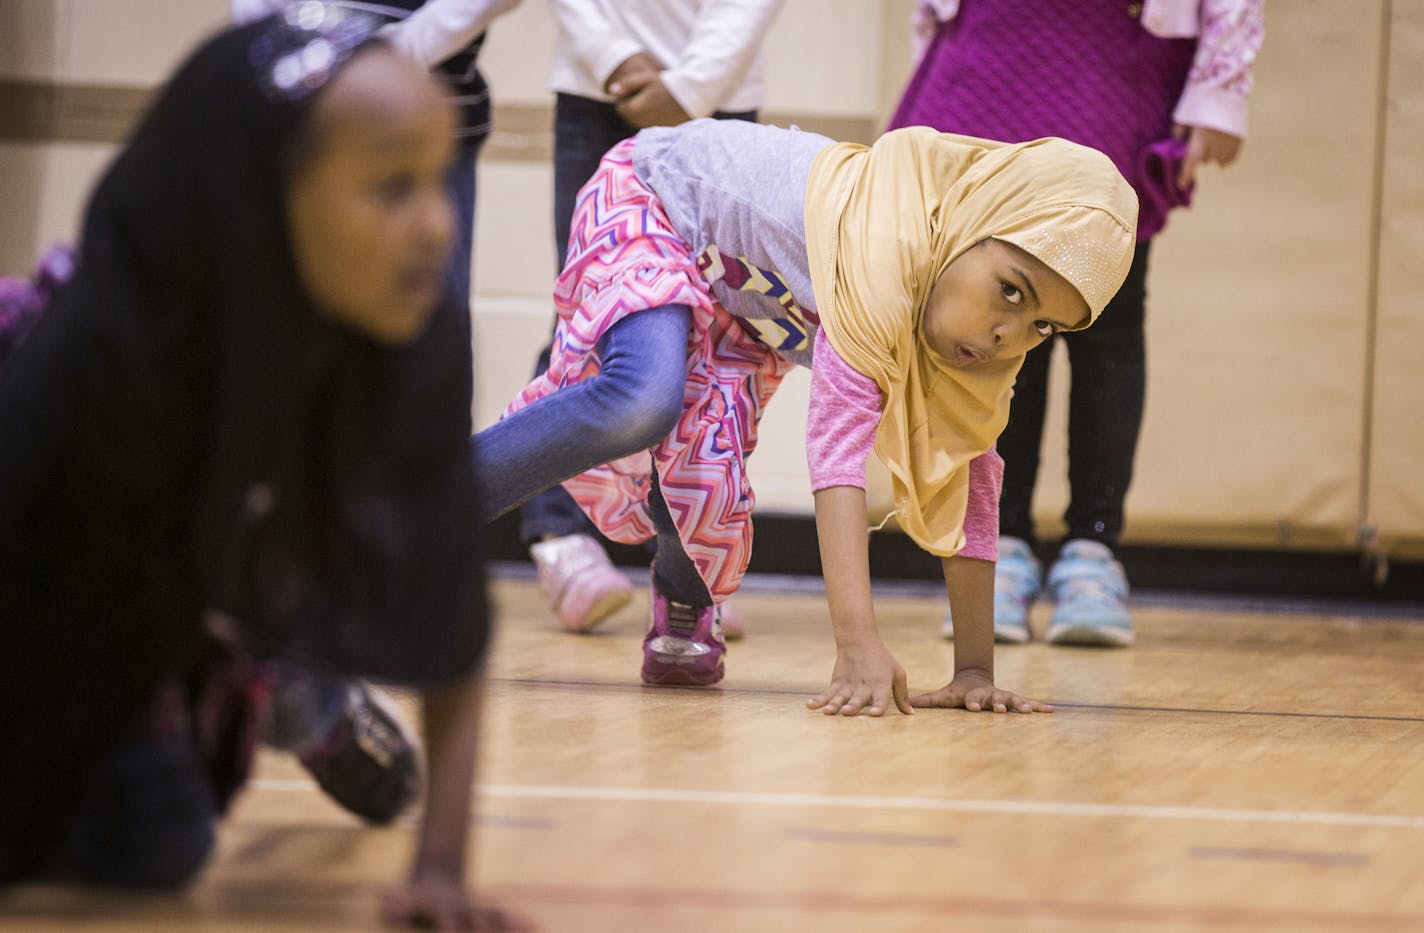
[734,624]
[579,581]
[684,645]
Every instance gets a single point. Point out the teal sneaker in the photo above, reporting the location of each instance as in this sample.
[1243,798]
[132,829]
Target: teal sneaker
[1089,590]
[1018,578]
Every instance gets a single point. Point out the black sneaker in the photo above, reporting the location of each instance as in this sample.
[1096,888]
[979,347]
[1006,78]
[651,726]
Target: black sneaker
[370,762]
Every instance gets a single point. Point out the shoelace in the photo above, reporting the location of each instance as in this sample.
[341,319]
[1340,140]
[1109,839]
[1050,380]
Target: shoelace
[682,618]
[1089,587]
[571,559]
[374,736]
[1015,579]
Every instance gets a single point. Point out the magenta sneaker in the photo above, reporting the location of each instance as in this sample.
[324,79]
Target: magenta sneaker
[579,581]
[684,645]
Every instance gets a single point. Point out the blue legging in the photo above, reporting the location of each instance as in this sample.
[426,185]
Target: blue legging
[631,404]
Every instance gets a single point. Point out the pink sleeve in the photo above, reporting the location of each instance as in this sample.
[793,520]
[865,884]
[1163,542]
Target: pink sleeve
[841,421]
[840,431]
[981,516]
[1220,79]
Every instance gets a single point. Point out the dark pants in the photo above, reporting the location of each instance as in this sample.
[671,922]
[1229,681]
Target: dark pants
[148,815]
[1108,384]
[461,184]
[584,130]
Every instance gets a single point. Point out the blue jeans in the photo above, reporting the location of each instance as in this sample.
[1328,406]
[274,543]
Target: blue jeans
[584,130]
[631,404]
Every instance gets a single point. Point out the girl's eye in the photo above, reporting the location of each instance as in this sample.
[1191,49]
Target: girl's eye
[1011,292]
[394,188]
[1045,329]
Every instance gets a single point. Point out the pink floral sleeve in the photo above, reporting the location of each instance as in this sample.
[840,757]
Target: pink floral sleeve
[1231,32]
[840,432]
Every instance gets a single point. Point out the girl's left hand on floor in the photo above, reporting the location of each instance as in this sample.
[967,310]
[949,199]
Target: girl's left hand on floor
[975,692]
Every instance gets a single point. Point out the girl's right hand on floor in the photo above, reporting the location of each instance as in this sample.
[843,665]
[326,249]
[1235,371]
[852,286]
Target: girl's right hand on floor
[866,678]
[437,903]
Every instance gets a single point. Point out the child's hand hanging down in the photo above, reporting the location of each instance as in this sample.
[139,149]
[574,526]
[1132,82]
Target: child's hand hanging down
[1205,146]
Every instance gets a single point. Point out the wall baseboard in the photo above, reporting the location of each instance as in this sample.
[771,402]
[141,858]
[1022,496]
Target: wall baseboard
[786,544]
[49,111]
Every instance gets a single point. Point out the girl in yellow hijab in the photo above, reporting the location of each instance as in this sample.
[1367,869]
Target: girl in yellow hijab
[911,276]
[938,261]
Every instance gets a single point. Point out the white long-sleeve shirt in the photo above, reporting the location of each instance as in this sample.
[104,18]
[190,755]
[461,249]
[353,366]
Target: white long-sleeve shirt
[709,48]
[432,33]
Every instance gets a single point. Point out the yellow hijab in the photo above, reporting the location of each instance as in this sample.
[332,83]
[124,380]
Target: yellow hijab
[882,224]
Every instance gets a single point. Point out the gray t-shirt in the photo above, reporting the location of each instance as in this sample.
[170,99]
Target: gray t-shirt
[735,191]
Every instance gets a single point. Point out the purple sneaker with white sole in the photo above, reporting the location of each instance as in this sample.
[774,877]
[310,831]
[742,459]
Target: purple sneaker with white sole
[684,646]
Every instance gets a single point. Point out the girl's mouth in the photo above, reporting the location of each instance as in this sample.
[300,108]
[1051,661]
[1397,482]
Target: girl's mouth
[968,355]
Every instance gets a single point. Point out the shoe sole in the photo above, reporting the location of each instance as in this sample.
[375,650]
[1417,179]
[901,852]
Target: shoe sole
[1090,636]
[1011,636]
[682,675]
[600,610]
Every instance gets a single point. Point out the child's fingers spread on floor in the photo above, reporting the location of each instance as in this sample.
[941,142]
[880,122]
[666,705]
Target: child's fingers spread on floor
[939,699]
[900,693]
[855,704]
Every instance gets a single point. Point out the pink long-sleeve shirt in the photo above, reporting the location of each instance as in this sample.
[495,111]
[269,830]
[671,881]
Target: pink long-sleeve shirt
[840,431]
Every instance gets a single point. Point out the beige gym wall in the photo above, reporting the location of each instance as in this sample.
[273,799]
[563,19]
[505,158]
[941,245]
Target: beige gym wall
[1284,401]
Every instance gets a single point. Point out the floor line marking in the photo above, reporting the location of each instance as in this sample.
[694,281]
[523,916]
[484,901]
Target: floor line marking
[939,804]
[723,689]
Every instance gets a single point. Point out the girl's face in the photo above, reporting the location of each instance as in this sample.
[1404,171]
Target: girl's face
[996,301]
[370,220]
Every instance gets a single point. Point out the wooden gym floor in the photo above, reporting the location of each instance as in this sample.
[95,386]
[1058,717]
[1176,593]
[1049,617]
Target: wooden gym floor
[1237,770]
